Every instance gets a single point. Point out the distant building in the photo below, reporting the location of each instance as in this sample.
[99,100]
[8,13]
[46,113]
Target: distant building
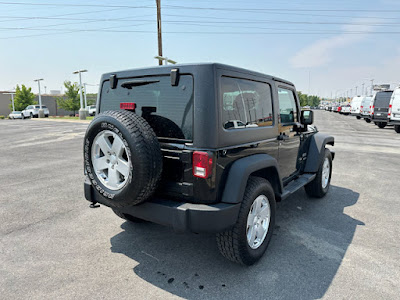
[48,100]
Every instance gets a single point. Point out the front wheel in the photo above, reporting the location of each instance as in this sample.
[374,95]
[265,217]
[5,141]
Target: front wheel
[247,241]
[320,185]
[358,117]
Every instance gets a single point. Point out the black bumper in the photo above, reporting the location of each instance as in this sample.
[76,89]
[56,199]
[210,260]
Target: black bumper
[180,216]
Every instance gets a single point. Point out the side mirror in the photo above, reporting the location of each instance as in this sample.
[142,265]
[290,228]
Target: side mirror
[307,117]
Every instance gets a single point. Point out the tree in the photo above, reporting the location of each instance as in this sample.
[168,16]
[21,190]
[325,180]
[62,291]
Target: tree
[71,100]
[23,97]
[308,100]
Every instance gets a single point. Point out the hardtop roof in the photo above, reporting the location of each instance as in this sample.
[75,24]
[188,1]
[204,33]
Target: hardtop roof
[166,68]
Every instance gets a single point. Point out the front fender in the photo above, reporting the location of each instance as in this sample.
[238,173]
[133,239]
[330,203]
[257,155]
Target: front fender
[239,174]
[316,151]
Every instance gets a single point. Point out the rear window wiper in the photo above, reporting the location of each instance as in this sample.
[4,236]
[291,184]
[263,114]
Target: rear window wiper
[130,84]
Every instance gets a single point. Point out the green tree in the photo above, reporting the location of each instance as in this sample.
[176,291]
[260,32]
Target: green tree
[71,99]
[23,97]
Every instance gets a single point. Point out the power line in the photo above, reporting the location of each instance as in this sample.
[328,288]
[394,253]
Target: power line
[278,9]
[55,16]
[73,5]
[129,19]
[201,8]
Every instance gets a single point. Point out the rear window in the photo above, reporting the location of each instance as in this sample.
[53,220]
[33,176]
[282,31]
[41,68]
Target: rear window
[168,109]
[38,106]
[382,99]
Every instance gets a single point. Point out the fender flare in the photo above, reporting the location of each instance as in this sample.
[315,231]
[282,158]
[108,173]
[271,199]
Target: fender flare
[239,174]
[316,151]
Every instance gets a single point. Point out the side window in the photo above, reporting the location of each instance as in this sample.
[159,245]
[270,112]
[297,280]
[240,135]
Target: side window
[245,103]
[287,106]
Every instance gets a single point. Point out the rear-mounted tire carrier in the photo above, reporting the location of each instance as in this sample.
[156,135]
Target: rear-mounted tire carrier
[142,154]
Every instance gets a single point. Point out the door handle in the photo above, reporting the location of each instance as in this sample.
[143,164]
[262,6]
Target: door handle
[283,137]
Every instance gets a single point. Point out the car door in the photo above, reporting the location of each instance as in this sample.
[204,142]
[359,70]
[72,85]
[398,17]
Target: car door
[25,111]
[289,138]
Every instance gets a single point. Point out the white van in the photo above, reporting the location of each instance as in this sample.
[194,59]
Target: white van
[365,108]
[394,109]
[355,106]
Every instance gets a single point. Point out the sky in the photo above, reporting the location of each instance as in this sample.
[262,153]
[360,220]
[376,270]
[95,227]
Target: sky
[324,47]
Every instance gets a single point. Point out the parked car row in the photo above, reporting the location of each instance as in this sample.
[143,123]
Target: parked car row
[382,108]
[32,111]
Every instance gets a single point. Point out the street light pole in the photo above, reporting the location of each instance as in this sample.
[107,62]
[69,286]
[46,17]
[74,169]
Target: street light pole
[372,85]
[12,99]
[82,111]
[41,111]
[84,85]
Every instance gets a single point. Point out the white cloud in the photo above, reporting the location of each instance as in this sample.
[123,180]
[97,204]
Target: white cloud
[321,52]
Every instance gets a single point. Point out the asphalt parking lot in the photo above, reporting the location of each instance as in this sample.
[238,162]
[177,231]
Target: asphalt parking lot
[53,246]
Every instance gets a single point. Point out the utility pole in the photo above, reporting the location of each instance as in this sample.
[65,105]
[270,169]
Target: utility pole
[41,111]
[82,111]
[159,31]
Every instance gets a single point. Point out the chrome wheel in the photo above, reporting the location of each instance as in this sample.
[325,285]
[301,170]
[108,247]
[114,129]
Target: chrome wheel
[110,159]
[325,173]
[258,221]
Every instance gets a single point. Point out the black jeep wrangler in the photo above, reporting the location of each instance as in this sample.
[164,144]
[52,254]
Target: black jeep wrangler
[203,148]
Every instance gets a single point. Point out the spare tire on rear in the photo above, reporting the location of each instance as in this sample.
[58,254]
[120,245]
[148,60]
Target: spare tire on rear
[122,158]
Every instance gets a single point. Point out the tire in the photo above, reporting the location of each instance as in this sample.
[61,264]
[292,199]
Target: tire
[131,176]
[31,116]
[127,217]
[318,187]
[233,243]
[381,125]
[397,128]
[376,123]
[358,117]
[22,116]
[46,116]
[368,120]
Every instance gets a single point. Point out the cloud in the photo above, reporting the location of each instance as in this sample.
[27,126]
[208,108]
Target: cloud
[321,52]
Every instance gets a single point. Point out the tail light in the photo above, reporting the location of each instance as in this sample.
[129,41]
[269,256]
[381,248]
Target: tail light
[390,110]
[372,110]
[127,106]
[202,164]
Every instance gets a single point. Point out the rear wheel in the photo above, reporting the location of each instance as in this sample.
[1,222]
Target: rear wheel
[397,128]
[320,185]
[381,125]
[368,120]
[358,117]
[247,241]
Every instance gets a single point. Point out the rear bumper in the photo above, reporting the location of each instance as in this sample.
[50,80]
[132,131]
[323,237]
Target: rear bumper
[394,122]
[380,120]
[180,216]
[355,114]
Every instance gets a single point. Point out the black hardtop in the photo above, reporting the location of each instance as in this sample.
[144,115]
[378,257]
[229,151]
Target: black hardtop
[187,68]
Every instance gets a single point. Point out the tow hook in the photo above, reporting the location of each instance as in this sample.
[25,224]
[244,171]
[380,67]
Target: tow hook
[94,205]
